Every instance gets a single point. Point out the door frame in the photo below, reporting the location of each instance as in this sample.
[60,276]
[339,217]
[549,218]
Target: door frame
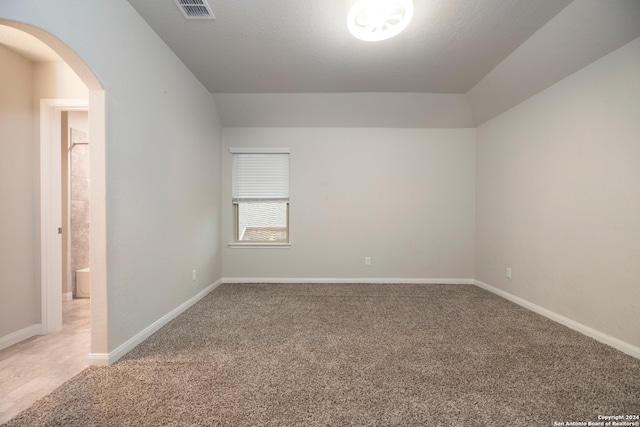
[50,209]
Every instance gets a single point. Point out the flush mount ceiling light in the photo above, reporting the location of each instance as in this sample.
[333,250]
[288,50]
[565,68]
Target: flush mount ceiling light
[375,20]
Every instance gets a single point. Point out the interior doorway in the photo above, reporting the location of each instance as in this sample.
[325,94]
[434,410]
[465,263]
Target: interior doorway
[76,204]
[55,154]
[48,215]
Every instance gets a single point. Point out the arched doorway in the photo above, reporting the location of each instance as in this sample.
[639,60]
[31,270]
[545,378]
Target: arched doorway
[50,297]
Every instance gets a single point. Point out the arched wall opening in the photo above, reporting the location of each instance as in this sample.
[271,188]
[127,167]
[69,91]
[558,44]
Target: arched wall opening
[98,265]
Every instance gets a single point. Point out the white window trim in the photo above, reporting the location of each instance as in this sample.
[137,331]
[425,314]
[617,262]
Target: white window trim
[260,150]
[238,245]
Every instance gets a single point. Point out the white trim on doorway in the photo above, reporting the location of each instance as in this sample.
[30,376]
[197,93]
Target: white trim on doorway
[50,209]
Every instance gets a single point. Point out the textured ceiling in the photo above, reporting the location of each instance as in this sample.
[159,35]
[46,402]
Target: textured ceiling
[460,63]
[298,46]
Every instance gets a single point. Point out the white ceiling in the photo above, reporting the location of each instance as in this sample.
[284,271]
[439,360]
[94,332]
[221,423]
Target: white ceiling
[297,46]
[460,62]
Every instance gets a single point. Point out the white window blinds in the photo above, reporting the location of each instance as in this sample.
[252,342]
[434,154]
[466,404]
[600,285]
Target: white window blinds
[260,176]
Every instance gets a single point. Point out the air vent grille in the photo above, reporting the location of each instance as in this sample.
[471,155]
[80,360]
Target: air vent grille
[195,9]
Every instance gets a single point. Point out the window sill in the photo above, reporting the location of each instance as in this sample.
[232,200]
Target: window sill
[236,245]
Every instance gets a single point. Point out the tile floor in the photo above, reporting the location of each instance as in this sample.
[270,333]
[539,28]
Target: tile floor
[34,367]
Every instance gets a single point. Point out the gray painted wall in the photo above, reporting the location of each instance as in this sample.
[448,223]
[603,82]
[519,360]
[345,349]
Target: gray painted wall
[555,194]
[19,274]
[162,160]
[22,85]
[558,197]
[404,197]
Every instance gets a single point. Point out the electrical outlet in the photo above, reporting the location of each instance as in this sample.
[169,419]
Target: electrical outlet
[194,275]
[508,273]
[367,260]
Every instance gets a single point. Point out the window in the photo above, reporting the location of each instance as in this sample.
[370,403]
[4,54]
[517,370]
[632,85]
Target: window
[260,195]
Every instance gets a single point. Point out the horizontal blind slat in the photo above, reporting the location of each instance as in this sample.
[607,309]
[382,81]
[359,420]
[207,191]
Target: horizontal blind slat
[260,176]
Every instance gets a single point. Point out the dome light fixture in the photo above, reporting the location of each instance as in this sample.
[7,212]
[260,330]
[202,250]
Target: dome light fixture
[375,20]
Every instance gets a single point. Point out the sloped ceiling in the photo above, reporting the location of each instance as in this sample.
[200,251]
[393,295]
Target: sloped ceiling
[303,46]
[459,63]
[580,34]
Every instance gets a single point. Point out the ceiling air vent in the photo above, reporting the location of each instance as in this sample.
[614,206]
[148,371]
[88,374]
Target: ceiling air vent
[195,9]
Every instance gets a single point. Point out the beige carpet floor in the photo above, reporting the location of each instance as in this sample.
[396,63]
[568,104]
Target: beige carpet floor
[351,354]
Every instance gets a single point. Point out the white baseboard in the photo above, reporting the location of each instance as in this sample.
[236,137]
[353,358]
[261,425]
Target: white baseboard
[616,343]
[105,359]
[98,359]
[21,335]
[68,296]
[347,280]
